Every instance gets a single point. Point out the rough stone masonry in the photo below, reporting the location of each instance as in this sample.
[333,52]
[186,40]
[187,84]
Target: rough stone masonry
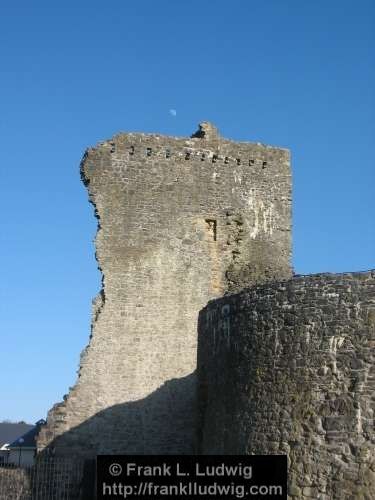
[180,221]
[289,368]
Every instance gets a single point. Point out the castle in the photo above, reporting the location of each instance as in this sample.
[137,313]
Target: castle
[285,364]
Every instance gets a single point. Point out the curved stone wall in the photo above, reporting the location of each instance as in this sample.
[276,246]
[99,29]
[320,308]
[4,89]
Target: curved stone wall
[289,367]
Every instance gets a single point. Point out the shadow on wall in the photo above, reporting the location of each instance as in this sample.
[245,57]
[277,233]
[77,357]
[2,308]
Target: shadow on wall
[65,468]
[137,427]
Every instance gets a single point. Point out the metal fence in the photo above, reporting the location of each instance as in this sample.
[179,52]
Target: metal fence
[47,479]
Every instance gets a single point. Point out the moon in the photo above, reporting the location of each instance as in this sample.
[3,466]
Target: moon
[172,112]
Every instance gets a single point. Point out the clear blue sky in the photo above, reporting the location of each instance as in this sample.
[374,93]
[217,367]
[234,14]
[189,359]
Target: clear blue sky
[292,73]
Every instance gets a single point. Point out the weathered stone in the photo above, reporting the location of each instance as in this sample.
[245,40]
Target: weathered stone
[181,221]
[260,387]
[286,366]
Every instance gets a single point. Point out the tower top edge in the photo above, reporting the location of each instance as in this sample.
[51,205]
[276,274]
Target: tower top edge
[207,135]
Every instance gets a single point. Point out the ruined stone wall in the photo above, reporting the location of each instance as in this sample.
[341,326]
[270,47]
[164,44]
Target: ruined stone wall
[289,367]
[181,221]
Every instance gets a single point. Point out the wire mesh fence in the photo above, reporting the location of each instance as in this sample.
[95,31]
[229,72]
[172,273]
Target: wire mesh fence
[47,479]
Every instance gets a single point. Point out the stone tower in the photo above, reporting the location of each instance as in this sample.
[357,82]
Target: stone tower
[180,221]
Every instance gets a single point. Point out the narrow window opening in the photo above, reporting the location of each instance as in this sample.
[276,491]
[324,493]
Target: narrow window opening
[167,153]
[214,159]
[203,157]
[238,161]
[131,151]
[251,162]
[226,159]
[148,151]
[212,228]
[264,164]
[187,155]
